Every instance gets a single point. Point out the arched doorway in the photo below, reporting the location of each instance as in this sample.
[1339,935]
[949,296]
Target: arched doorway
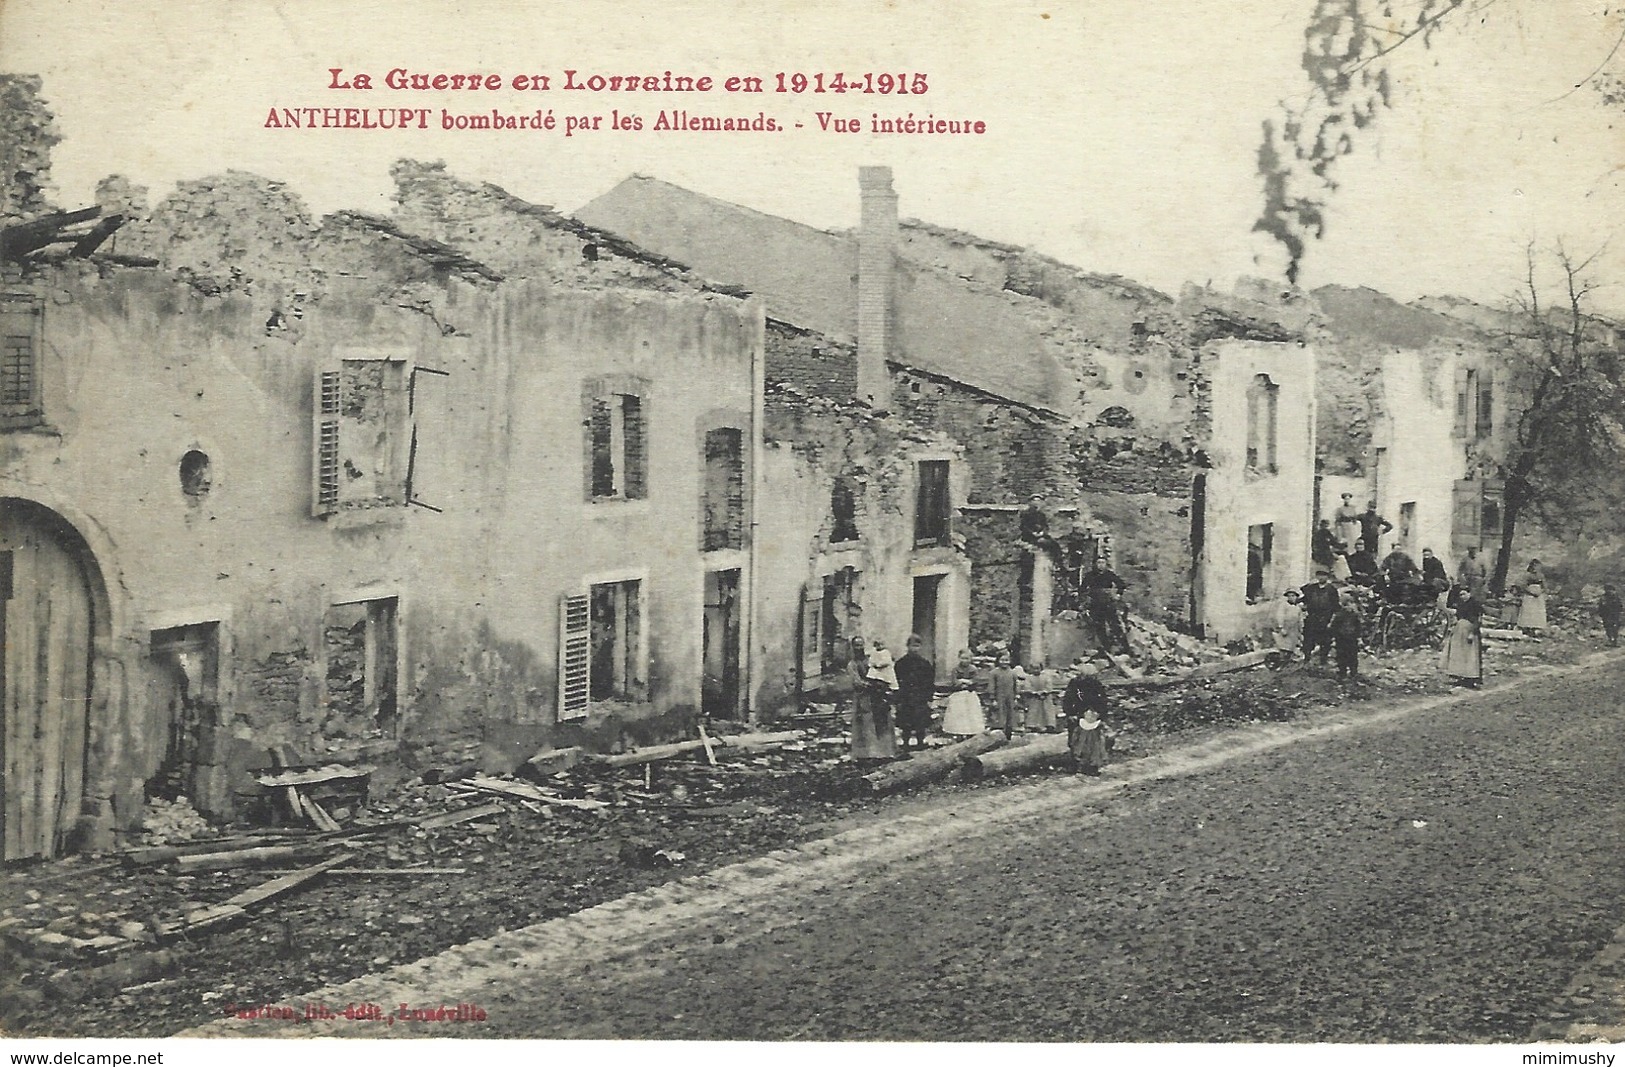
[48,584]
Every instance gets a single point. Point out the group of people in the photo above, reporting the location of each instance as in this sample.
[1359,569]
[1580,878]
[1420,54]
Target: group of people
[892,698]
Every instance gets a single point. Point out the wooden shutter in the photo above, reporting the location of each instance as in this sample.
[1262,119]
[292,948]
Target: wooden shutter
[634,434]
[575,657]
[812,638]
[324,498]
[1486,406]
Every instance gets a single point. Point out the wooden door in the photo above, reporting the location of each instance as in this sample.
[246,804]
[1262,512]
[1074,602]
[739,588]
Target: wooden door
[45,618]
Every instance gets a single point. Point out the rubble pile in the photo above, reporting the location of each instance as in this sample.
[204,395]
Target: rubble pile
[170,821]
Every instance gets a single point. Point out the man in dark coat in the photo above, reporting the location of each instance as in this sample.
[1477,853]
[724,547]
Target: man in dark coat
[1372,527]
[1319,599]
[1102,590]
[1433,573]
[916,685]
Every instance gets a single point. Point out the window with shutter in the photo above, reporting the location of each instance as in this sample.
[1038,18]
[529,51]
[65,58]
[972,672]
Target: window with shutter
[325,496]
[1466,395]
[361,435]
[812,641]
[931,504]
[575,657]
[19,361]
[1485,422]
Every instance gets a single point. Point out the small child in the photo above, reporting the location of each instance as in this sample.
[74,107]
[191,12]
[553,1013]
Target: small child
[1610,608]
[1346,637]
[882,668]
[1088,742]
[1002,686]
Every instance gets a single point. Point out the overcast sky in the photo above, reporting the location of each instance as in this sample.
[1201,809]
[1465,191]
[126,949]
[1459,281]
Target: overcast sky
[1121,133]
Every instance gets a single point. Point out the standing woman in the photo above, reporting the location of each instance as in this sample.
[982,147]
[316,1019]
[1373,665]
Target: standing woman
[1346,519]
[1463,657]
[1532,608]
[873,737]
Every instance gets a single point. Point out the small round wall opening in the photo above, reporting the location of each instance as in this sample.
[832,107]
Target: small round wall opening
[195,477]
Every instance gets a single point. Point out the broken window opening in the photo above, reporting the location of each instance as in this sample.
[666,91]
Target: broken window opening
[19,361]
[1260,561]
[841,619]
[1262,407]
[618,447]
[931,504]
[187,663]
[362,436]
[360,642]
[723,502]
[615,627]
[843,506]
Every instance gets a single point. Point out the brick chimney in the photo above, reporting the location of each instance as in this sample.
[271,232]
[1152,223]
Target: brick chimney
[877,256]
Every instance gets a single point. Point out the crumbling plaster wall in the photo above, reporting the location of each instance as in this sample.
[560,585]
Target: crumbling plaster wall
[1238,497]
[810,442]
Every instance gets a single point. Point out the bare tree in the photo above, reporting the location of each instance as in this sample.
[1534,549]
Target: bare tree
[1563,450]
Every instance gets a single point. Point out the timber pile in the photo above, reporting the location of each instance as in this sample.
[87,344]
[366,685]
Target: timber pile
[930,766]
[1037,752]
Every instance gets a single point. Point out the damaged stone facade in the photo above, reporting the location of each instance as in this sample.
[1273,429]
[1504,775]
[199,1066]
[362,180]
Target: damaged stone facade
[175,488]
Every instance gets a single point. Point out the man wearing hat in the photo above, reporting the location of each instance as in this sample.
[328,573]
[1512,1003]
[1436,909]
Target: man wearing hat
[1319,599]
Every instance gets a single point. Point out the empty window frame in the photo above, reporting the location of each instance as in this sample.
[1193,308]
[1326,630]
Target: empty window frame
[1260,559]
[931,504]
[1475,403]
[723,495]
[617,447]
[843,506]
[1263,400]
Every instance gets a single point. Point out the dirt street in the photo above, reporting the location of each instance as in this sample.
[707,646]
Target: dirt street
[1434,872]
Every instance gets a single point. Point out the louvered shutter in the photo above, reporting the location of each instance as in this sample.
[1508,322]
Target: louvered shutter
[1464,402]
[324,498]
[575,658]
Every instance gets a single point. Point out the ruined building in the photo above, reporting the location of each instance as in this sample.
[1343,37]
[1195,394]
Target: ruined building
[264,479]
[1120,408]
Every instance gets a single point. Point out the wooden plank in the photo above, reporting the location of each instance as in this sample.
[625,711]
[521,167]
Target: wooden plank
[651,754]
[393,872]
[710,752]
[761,742]
[525,791]
[277,887]
[151,857]
[247,857]
[452,818]
[318,814]
[313,775]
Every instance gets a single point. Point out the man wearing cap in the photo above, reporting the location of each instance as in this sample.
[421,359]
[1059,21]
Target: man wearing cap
[1319,599]
[1372,527]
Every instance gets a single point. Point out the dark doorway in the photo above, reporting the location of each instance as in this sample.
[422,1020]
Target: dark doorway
[719,688]
[927,594]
